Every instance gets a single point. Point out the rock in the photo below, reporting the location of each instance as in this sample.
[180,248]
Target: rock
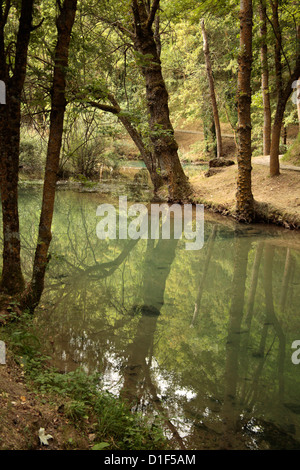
[211,172]
[219,162]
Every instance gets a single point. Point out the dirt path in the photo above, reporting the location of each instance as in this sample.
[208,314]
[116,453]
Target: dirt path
[265,161]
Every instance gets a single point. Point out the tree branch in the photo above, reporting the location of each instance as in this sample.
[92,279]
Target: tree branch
[104,107]
[153,11]
[118,25]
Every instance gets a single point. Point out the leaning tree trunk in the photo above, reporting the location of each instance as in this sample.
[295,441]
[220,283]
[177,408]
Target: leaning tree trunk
[165,147]
[245,203]
[64,25]
[265,79]
[12,280]
[213,99]
[151,163]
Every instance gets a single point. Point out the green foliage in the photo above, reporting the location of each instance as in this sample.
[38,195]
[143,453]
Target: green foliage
[117,427]
[32,154]
[128,431]
[292,156]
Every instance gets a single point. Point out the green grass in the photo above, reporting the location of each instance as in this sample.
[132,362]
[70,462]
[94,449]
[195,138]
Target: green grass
[292,156]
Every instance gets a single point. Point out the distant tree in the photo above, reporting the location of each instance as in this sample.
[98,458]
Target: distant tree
[213,99]
[265,79]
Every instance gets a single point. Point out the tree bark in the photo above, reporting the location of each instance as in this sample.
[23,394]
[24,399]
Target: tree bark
[245,203]
[283,92]
[277,125]
[64,26]
[12,280]
[212,90]
[165,148]
[151,163]
[265,79]
[276,132]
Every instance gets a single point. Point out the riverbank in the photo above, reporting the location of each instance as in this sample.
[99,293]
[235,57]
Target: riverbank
[44,409]
[277,199]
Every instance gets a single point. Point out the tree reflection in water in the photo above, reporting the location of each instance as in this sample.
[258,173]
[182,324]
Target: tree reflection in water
[202,338]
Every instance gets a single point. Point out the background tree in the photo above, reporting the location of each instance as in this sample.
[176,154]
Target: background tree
[212,90]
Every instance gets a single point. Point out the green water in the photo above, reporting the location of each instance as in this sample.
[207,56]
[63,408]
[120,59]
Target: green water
[201,337]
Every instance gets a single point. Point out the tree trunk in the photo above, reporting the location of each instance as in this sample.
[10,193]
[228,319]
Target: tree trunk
[64,25]
[277,125]
[151,163]
[245,205]
[212,90]
[12,280]
[165,148]
[265,79]
[276,131]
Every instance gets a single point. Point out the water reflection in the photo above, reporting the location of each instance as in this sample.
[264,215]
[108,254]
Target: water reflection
[202,338]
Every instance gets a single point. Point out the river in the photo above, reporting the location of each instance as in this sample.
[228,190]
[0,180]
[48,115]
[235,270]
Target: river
[202,337]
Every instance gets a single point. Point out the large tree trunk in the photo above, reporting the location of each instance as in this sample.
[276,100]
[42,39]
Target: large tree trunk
[212,90]
[245,205]
[10,121]
[265,79]
[64,25]
[165,148]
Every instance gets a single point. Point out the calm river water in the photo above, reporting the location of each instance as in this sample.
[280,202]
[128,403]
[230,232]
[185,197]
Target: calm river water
[203,338]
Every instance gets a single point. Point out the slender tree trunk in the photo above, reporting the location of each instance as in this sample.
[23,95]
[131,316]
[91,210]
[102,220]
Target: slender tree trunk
[276,132]
[245,205]
[278,120]
[265,79]
[151,163]
[212,90]
[64,25]
[283,92]
[165,148]
[12,280]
